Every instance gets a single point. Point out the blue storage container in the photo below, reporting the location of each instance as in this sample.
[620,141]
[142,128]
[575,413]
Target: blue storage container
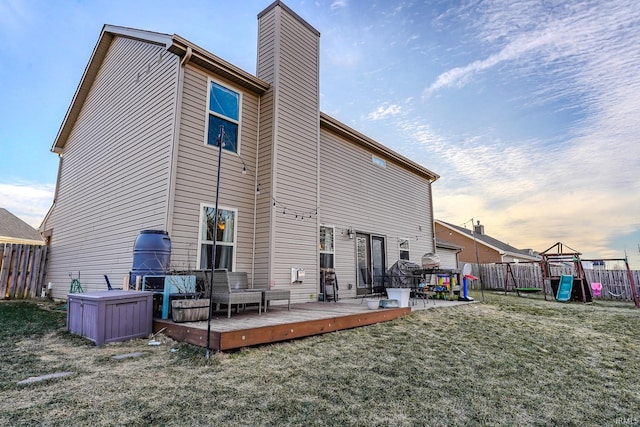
[151,254]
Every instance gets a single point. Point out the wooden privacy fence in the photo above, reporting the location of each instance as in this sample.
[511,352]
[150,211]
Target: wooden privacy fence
[615,283]
[22,269]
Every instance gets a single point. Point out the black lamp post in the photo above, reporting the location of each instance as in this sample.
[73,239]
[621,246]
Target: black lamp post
[215,235]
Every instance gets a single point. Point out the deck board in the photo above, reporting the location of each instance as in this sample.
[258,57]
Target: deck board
[247,328]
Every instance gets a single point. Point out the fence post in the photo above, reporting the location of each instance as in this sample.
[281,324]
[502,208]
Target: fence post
[4,270]
[22,270]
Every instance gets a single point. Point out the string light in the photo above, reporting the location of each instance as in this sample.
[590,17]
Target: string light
[296,214]
[305,214]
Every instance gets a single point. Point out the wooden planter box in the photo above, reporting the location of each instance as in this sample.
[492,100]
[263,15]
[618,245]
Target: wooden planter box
[189,310]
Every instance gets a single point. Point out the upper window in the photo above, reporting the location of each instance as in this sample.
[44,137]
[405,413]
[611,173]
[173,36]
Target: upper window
[403,245]
[378,161]
[224,113]
[225,235]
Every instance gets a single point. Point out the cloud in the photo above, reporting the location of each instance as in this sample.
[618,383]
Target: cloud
[527,195]
[384,111]
[460,76]
[28,201]
[579,187]
[14,16]
[337,4]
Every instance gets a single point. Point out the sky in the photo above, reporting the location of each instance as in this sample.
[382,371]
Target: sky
[528,110]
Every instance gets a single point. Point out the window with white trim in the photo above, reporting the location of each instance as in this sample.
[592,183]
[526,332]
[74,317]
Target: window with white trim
[225,234]
[326,246]
[403,247]
[223,113]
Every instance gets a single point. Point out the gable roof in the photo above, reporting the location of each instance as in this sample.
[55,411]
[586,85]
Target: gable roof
[497,245]
[190,52]
[174,44]
[15,230]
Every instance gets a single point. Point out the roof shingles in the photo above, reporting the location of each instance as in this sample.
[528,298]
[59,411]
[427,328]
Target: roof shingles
[14,228]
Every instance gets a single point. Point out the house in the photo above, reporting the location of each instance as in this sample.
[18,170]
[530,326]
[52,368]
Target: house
[298,189]
[489,250]
[15,230]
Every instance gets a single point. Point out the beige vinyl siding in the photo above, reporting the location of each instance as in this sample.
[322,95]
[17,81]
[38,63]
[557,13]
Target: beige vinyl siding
[197,162]
[267,47]
[356,193]
[114,178]
[264,207]
[293,71]
[266,63]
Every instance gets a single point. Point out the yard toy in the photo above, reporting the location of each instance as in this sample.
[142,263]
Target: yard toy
[465,291]
[466,276]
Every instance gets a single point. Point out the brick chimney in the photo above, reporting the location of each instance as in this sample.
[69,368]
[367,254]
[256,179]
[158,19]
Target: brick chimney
[478,229]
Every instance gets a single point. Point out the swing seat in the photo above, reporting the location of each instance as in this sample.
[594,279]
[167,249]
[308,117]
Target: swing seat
[529,290]
[596,288]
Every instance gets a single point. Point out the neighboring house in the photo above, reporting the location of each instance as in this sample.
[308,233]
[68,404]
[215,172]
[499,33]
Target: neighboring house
[15,230]
[489,250]
[298,189]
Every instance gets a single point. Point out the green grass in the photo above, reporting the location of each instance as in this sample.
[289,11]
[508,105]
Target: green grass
[507,361]
[24,322]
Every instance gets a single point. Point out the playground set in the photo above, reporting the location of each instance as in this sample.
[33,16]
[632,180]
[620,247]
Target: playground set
[565,287]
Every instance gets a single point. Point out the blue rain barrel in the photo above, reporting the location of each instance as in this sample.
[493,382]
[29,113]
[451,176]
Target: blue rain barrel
[151,254]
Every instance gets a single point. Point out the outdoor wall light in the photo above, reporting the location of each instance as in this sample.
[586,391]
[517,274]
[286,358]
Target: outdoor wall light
[350,233]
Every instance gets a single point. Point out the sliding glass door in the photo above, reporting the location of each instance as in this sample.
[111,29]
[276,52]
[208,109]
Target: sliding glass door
[378,260]
[370,262]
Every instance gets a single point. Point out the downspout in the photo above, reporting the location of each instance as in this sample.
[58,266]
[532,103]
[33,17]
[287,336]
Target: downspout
[173,157]
[317,246]
[43,225]
[433,219]
[255,198]
[187,56]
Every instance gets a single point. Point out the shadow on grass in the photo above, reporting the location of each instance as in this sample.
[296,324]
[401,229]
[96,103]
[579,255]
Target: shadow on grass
[506,361]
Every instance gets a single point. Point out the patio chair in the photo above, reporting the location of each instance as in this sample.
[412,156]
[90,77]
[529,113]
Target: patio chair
[329,284]
[223,294]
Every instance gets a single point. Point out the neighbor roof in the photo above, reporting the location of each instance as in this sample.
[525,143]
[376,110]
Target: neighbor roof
[496,244]
[446,245]
[15,230]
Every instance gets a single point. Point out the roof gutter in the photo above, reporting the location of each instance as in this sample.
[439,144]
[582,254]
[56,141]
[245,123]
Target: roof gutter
[352,135]
[207,60]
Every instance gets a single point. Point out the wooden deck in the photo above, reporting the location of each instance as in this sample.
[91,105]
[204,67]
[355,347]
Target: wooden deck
[247,328]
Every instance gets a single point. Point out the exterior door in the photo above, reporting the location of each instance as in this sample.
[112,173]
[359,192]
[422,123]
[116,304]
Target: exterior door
[363,255]
[378,260]
[371,262]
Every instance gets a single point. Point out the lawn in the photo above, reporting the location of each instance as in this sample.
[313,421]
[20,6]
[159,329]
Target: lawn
[506,361]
